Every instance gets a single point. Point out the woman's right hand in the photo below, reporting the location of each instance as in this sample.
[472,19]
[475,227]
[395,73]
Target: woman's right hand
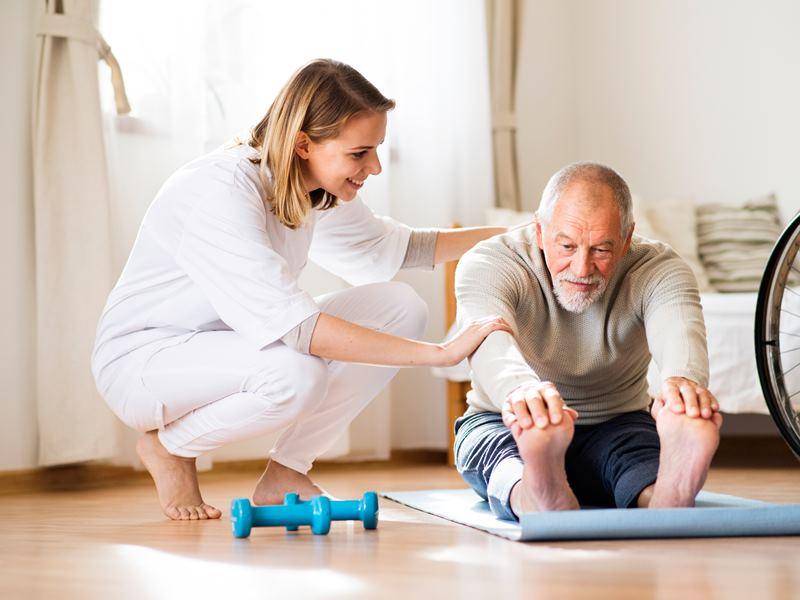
[467,340]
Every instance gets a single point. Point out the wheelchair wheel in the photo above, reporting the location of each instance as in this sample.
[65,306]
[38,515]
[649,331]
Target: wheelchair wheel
[777,334]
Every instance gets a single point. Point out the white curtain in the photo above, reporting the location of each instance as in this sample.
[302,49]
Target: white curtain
[73,274]
[199,72]
[503,19]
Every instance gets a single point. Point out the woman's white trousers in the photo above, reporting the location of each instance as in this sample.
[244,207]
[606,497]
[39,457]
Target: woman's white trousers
[211,388]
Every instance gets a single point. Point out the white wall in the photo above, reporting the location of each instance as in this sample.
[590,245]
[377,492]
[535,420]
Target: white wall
[546,101]
[18,442]
[687,99]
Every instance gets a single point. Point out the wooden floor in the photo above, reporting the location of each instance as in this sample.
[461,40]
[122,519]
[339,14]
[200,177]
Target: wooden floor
[112,542]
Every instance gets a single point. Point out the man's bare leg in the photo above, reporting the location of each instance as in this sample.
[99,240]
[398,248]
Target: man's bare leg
[278,480]
[643,501]
[544,485]
[176,481]
[687,446]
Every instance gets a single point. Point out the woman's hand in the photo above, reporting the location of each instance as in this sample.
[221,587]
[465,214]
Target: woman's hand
[467,340]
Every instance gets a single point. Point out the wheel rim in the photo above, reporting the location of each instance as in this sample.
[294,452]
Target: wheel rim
[777,335]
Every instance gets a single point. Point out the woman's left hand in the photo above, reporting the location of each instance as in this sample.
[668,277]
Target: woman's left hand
[467,340]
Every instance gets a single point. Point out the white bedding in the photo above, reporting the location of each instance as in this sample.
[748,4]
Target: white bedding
[734,381]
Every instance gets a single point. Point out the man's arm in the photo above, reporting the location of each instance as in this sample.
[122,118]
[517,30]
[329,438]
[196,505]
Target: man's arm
[676,335]
[487,282]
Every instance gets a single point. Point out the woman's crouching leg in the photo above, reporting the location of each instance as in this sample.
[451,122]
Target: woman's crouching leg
[393,308]
[288,386]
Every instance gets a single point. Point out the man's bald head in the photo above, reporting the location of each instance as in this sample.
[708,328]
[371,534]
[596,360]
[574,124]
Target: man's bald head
[591,174]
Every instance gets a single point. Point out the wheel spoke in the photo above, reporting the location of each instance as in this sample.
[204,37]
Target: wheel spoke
[792,368]
[788,312]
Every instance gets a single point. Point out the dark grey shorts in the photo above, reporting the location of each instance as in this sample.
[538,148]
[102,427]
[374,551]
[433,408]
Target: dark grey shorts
[608,464]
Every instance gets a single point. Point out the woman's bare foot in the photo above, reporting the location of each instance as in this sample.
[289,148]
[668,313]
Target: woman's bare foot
[544,483]
[278,480]
[687,447]
[176,481]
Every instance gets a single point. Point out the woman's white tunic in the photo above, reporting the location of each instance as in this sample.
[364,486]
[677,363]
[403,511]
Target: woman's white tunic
[209,256]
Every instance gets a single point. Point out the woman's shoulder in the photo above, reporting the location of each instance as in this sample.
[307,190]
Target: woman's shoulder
[223,181]
[228,164]
[225,169]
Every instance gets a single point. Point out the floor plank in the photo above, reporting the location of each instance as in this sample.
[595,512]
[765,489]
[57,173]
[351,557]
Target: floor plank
[114,543]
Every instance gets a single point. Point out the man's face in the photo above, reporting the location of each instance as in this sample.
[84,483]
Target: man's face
[582,244]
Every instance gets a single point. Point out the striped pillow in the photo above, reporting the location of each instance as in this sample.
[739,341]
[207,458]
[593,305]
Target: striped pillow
[735,241]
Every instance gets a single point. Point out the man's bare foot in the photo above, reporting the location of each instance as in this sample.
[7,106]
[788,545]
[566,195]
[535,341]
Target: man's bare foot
[544,483]
[278,480]
[687,447]
[176,481]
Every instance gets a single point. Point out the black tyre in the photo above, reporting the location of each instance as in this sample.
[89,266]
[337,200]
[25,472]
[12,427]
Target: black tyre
[777,334]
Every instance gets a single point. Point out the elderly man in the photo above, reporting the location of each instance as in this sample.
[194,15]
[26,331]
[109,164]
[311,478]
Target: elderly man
[588,304]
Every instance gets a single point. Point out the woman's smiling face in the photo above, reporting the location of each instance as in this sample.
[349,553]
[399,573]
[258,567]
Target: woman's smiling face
[340,165]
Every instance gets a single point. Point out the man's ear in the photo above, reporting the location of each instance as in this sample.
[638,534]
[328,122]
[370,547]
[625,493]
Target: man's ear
[539,235]
[302,145]
[628,240]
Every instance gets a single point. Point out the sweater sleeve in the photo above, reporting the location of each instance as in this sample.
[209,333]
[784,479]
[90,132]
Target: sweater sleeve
[226,251]
[488,283]
[673,319]
[360,247]
[421,250]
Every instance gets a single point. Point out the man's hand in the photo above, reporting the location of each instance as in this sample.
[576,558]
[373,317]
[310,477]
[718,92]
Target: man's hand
[683,395]
[537,404]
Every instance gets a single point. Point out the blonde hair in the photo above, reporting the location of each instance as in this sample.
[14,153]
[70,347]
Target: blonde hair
[318,100]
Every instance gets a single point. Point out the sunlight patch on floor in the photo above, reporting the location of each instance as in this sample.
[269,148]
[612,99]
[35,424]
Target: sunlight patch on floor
[168,576]
[478,555]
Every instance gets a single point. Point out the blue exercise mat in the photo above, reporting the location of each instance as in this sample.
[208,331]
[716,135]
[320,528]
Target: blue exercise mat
[715,515]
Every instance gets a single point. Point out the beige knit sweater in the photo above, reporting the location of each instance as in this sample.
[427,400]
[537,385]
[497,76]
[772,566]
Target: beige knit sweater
[597,359]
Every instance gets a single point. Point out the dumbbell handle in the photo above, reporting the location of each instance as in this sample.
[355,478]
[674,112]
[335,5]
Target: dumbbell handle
[274,516]
[346,510]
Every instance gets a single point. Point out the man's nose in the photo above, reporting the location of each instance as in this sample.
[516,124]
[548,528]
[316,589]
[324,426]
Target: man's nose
[582,264]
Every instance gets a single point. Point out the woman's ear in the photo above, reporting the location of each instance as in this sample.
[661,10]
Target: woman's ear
[302,145]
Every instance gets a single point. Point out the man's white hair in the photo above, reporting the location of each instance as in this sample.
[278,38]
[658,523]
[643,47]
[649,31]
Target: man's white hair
[594,173]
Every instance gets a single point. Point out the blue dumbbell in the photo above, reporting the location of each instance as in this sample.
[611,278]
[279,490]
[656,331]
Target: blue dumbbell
[292,514]
[317,512]
[364,510]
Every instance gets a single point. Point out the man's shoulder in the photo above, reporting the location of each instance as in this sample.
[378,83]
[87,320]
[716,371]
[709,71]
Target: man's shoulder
[517,245]
[652,261]
[510,256]
[646,253]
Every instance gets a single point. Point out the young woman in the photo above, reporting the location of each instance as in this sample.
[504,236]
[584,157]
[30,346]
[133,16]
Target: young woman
[207,338]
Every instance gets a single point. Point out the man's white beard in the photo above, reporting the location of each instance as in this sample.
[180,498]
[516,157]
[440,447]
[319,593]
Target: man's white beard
[577,302]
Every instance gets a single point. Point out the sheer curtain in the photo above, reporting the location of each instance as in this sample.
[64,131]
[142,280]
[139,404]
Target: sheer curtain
[71,200]
[504,17]
[200,72]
